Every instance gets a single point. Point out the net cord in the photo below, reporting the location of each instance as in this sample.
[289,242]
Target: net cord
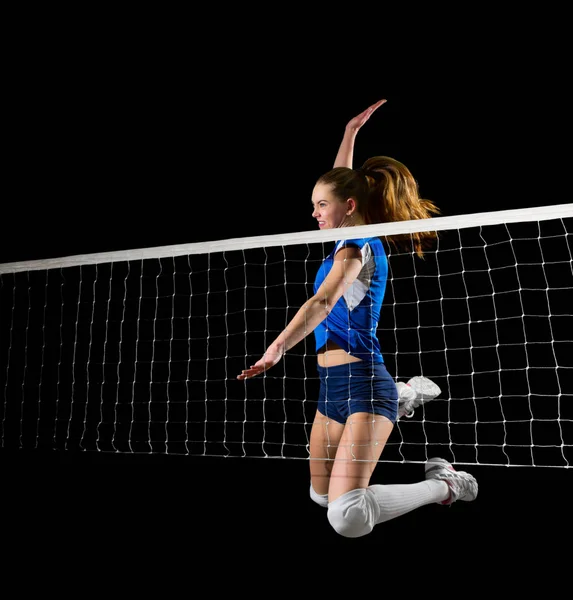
[542,213]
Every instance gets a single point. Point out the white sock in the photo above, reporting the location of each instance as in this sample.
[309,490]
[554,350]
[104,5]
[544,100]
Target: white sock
[356,512]
[398,499]
[321,499]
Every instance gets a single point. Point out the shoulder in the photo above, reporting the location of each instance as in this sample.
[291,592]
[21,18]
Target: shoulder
[371,244]
[366,250]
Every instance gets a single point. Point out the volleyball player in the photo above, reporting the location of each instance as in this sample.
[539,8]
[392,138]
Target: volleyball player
[359,401]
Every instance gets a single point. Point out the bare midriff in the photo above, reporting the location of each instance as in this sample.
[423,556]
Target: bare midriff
[332,355]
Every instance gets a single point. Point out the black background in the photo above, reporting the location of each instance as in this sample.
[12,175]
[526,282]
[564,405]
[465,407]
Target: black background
[127,132]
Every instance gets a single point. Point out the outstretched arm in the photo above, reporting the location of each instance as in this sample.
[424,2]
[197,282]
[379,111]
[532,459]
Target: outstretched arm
[346,149]
[347,265]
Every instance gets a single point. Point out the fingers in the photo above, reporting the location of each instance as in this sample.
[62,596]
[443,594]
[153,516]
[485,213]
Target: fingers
[372,108]
[246,373]
[378,104]
[364,116]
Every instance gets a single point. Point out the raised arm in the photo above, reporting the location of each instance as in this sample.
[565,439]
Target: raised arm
[346,149]
[345,269]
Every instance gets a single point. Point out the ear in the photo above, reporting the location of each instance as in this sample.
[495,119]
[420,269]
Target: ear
[351,206]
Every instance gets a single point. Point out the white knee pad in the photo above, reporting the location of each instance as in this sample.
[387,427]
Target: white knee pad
[321,499]
[354,514]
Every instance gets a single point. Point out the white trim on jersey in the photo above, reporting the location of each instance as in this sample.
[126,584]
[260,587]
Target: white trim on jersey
[356,292]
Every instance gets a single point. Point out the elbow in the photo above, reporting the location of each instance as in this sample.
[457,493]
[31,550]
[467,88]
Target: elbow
[321,305]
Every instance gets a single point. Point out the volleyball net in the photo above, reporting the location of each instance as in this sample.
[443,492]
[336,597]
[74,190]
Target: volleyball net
[138,351]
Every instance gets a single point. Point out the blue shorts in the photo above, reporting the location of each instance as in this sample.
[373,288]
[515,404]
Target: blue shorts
[357,387]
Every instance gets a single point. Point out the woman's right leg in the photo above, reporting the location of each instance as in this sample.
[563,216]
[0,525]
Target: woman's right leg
[324,439]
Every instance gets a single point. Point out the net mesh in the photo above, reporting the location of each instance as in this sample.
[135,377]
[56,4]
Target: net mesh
[138,351]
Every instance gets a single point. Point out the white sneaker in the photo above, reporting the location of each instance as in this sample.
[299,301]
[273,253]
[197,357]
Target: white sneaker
[463,486]
[417,391]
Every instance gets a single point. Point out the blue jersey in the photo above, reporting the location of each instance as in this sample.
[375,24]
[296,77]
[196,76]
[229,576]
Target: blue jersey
[353,321]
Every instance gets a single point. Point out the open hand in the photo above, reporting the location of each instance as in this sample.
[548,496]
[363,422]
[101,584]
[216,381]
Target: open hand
[356,122]
[270,359]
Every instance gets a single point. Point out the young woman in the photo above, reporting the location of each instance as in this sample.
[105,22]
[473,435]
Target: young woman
[358,399]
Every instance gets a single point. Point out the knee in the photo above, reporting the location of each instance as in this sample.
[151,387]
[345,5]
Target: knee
[351,515]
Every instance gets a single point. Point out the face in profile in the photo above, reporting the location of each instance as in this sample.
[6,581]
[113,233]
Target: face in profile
[328,210]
